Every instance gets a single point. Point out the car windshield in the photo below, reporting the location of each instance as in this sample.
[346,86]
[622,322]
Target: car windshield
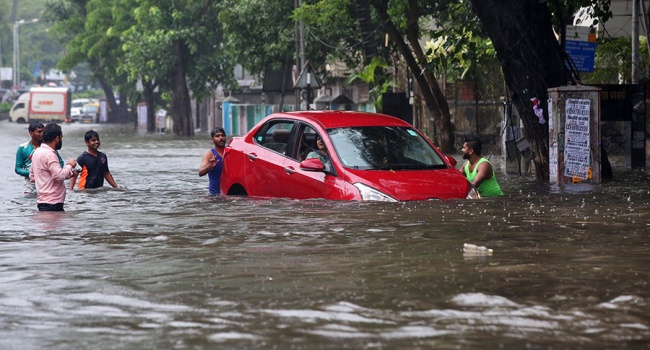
[90,109]
[384,148]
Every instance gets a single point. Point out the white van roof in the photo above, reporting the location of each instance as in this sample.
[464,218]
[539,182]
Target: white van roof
[49,89]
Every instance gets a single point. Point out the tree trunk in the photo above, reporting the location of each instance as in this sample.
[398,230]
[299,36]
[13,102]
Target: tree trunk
[430,90]
[148,91]
[443,119]
[366,30]
[532,62]
[181,103]
[123,116]
[110,98]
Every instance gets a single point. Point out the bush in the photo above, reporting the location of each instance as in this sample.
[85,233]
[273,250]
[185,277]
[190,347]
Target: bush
[5,107]
[98,93]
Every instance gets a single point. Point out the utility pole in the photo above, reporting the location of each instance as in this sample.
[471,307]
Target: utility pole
[635,41]
[16,68]
[301,58]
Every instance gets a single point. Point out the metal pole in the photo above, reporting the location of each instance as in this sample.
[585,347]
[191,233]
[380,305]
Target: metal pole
[301,28]
[635,41]
[14,75]
[16,67]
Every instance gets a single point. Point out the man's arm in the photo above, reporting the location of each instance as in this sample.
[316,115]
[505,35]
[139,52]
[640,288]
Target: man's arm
[20,163]
[58,172]
[75,174]
[207,163]
[484,172]
[109,179]
[73,180]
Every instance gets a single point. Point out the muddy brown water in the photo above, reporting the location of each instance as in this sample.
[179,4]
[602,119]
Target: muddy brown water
[158,264]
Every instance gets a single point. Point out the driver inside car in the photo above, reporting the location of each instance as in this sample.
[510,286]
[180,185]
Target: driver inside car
[321,153]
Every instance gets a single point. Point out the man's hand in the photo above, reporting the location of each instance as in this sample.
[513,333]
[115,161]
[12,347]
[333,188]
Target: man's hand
[212,162]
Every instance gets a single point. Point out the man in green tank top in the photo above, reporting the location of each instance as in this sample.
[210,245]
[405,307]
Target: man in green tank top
[478,170]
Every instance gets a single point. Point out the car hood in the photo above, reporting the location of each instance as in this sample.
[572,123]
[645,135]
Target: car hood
[407,185]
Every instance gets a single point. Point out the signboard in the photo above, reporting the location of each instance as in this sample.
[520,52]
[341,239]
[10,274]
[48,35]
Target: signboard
[580,45]
[6,73]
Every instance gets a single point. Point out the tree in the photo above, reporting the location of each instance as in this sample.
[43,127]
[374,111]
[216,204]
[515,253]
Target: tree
[84,26]
[402,24]
[347,23]
[178,45]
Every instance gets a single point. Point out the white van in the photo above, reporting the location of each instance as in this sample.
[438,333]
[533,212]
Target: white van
[42,103]
[76,108]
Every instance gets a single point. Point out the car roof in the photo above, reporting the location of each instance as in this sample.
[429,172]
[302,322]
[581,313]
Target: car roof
[337,119]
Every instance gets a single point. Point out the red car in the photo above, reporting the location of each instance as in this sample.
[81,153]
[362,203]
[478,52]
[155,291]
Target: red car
[339,155]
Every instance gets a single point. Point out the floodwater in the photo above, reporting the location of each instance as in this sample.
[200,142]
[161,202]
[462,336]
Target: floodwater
[160,265]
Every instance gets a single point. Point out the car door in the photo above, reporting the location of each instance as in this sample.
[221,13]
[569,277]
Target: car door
[305,183]
[265,175]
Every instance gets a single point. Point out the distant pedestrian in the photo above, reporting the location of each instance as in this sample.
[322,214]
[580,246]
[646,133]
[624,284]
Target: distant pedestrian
[94,165]
[478,170]
[212,162]
[47,172]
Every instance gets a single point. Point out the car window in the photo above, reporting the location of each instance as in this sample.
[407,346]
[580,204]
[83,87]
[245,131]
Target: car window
[384,148]
[306,143]
[275,135]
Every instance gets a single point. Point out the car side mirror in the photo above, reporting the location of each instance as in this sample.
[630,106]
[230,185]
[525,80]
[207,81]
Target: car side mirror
[451,161]
[312,164]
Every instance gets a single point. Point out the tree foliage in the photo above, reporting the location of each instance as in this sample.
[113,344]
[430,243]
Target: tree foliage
[613,64]
[257,32]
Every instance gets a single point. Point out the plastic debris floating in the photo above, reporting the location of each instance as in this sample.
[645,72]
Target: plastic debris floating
[476,249]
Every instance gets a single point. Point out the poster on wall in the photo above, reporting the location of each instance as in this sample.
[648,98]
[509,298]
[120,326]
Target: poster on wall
[142,118]
[576,148]
[550,115]
[552,164]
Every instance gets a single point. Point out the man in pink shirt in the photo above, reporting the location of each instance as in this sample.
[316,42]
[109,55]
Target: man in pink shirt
[47,173]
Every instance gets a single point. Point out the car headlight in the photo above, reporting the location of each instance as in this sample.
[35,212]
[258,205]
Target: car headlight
[370,194]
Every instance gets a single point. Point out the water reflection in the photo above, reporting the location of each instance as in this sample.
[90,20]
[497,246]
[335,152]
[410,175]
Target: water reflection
[162,265]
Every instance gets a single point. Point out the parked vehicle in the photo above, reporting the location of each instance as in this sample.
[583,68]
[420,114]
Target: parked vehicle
[90,113]
[76,108]
[42,103]
[369,157]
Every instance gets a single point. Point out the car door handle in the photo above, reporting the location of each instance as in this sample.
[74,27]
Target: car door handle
[252,156]
[290,170]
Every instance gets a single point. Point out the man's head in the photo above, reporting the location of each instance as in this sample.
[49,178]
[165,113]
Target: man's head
[92,139]
[472,146]
[52,133]
[217,130]
[36,132]
[218,137]
[91,134]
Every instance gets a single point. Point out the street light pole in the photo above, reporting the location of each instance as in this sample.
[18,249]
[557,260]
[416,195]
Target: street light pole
[16,68]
